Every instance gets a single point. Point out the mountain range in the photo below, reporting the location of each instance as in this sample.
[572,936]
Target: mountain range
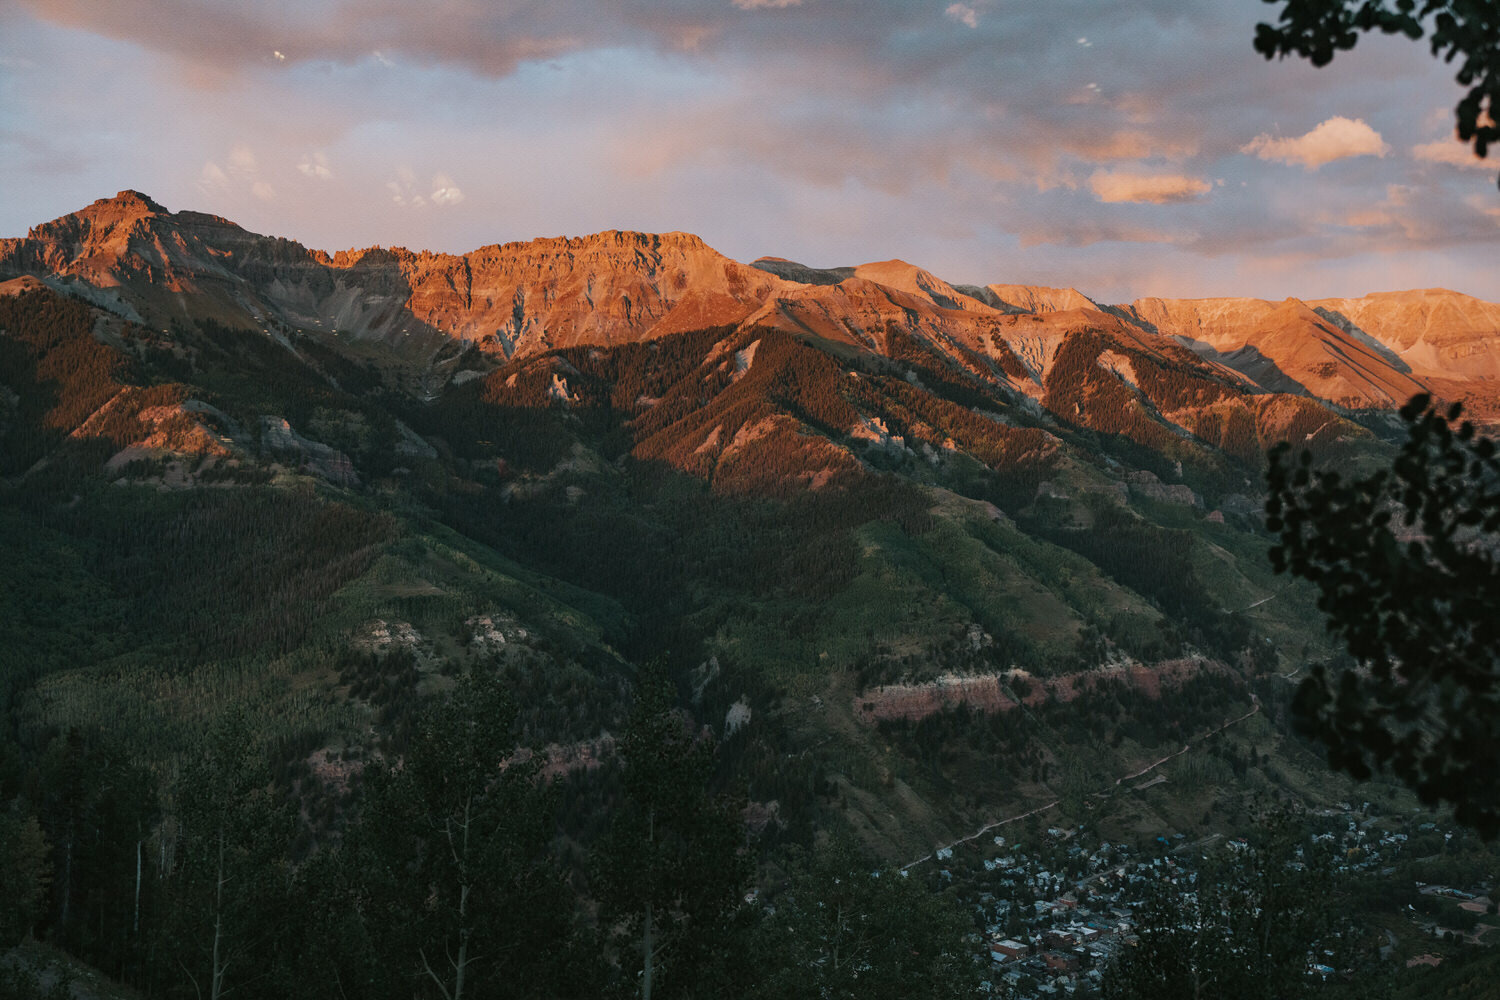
[613,288]
[883,529]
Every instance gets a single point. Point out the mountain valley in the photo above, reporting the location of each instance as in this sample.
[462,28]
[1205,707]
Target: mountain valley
[919,556]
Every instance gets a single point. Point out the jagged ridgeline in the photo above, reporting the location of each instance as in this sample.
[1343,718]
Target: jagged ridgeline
[918,553]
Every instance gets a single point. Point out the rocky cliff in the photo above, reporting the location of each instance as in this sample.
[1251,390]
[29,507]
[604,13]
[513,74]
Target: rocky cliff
[137,258]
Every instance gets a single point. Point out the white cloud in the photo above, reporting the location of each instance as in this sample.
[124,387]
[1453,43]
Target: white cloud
[212,176]
[403,190]
[963,14]
[1154,189]
[1338,138]
[316,166]
[758,4]
[240,171]
[278,56]
[444,191]
[242,159]
[1453,154]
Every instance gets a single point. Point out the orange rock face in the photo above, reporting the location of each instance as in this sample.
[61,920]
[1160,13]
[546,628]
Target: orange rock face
[618,287]
[1375,351]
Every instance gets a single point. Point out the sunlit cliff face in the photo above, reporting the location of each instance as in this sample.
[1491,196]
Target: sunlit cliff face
[618,288]
[1039,144]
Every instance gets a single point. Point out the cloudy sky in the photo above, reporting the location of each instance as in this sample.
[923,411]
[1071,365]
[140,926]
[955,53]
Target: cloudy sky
[1127,150]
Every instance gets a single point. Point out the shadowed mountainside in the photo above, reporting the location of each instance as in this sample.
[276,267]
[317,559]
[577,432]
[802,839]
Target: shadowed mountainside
[892,527]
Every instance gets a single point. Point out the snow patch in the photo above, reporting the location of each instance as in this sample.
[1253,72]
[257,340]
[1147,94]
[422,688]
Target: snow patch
[752,432]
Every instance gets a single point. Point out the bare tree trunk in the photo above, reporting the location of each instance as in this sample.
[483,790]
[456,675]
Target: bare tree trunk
[462,965]
[646,946]
[460,853]
[136,926]
[838,937]
[67,879]
[216,986]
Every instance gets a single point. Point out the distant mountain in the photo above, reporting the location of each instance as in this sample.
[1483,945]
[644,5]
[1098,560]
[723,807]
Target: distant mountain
[517,299]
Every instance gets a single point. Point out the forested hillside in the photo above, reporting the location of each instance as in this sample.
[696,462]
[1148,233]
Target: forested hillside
[326,673]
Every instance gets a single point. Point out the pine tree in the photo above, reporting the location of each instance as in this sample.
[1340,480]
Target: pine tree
[459,886]
[845,928]
[228,890]
[671,870]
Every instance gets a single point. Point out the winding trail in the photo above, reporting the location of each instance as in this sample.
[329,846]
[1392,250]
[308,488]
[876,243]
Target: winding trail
[1254,707]
[982,831]
[1258,603]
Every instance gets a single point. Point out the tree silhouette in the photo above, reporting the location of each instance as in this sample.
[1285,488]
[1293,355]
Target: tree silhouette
[230,880]
[671,869]
[1243,926]
[459,883]
[845,928]
[1405,561]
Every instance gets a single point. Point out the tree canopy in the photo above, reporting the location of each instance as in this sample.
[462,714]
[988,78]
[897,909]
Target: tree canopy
[1462,31]
[1405,561]
[671,871]
[845,927]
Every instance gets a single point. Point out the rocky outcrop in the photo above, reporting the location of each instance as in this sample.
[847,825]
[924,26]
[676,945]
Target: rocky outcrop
[278,439]
[993,693]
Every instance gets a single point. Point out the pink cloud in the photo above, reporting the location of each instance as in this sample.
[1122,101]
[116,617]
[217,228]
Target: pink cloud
[963,14]
[1153,189]
[1451,153]
[1338,138]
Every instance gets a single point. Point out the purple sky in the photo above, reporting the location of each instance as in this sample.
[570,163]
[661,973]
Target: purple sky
[1127,150]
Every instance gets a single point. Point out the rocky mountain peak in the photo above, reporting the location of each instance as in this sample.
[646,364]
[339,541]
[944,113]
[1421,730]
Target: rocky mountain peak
[619,286]
[103,217]
[134,200]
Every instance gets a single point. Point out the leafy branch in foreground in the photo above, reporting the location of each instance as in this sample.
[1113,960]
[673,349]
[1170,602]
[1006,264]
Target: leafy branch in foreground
[1464,30]
[1405,562]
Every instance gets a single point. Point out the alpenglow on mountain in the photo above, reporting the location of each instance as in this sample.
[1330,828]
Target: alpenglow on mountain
[614,288]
